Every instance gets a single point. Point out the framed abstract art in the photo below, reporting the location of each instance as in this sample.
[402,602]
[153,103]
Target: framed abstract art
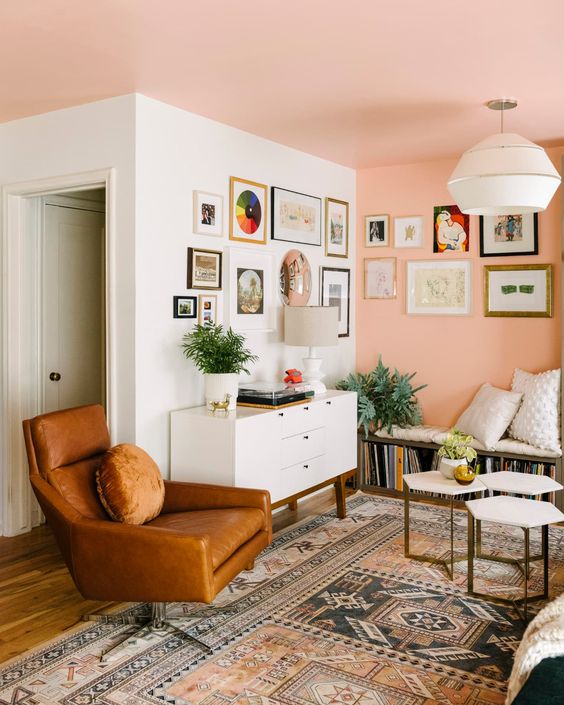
[296,217]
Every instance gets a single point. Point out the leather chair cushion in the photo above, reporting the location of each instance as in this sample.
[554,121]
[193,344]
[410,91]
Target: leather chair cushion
[77,484]
[130,485]
[227,529]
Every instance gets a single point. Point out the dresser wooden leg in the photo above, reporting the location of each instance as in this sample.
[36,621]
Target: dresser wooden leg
[293,505]
[340,497]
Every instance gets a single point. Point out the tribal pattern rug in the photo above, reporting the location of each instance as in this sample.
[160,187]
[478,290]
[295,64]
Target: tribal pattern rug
[332,614]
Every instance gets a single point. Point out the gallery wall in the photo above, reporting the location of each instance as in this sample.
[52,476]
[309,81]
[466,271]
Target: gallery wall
[454,355]
[178,152]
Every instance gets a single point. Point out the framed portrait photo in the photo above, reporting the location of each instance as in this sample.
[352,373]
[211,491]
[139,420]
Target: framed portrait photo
[207,309]
[451,229]
[376,230]
[185,306]
[248,211]
[296,217]
[523,290]
[335,290]
[380,278]
[251,299]
[336,228]
[408,231]
[204,269]
[503,235]
[439,288]
[208,213]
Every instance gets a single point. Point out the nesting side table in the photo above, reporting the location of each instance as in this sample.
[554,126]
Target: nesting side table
[430,482]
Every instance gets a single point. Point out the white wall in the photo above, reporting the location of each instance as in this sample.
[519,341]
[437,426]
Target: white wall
[176,153]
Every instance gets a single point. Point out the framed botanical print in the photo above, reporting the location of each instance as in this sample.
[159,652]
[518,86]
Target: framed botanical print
[248,211]
[439,288]
[208,213]
[335,290]
[408,231]
[336,228]
[523,290]
[207,309]
[204,269]
[250,304]
[184,306]
[380,278]
[452,229]
[376,229]
[296,217]
[503,235]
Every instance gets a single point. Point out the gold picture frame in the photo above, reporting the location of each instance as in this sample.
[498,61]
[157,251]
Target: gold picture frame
[336,228]
[380,277]
[248,211]
[518,290]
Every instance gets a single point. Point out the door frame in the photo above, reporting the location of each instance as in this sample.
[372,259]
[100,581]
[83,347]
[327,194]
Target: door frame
[21,324]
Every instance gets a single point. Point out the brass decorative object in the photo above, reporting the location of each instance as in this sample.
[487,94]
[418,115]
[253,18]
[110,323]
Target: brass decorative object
[464,474]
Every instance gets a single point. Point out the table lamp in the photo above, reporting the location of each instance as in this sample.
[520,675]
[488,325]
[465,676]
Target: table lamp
[312,327]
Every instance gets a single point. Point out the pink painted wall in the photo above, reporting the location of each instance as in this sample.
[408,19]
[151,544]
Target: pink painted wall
[454,355]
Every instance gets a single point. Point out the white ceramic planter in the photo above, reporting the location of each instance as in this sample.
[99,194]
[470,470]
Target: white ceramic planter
[447,466]
[217,386]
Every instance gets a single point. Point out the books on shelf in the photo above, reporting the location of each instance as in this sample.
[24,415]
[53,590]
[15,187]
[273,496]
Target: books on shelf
[266,395]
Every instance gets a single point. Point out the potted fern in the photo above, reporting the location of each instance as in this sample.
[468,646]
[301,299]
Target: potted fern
[455,451]
[221,356]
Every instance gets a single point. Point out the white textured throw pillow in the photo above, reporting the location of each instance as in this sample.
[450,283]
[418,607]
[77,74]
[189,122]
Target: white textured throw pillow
[489,414]
[538,420]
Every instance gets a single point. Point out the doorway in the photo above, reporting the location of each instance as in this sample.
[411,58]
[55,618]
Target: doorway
[24,332]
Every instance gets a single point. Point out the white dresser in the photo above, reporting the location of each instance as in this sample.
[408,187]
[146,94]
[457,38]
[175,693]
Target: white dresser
[290,452]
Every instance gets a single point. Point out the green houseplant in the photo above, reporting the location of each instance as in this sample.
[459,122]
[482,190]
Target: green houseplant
[221,356]
[384,398]
[455,451]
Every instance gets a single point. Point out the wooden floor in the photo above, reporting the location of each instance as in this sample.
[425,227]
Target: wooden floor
[38,599]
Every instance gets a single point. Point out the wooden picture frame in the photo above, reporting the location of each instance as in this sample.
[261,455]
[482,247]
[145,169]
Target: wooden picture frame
[207,309]
[204,269]
[336,228]
[335,290]
[518,290]
[248,211]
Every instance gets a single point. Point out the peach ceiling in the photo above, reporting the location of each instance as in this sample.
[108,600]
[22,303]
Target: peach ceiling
[360,82]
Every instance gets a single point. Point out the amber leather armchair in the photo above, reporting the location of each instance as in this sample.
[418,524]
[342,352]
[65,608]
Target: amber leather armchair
[204,536]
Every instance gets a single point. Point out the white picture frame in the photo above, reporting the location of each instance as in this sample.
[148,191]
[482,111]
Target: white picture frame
[408,231]
[207,213]
[250,291]
[376,230]
[439,288]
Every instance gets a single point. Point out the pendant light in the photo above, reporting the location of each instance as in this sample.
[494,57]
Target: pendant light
[505,174]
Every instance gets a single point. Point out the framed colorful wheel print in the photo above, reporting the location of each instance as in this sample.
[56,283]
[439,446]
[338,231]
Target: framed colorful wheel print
[248,211]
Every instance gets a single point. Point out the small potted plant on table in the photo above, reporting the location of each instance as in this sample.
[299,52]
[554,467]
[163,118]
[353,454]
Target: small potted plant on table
[221,356]
[456,452]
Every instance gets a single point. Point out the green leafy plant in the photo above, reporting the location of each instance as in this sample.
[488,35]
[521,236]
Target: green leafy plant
[215,351]
[384,399]
[457,446]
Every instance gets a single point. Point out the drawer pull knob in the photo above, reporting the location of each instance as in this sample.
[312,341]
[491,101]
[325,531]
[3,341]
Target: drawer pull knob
[306,408]
[306,467]
[281,413]
[328,402]
[306,438]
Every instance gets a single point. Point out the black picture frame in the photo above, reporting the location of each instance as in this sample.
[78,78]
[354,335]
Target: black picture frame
[176,301]
[513,252]
[324,301]
[275,229]
[191,280]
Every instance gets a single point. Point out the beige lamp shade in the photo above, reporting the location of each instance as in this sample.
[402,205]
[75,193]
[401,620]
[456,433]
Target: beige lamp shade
[311,326]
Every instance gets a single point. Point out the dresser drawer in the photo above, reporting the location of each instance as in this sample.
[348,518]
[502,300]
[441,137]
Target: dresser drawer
[303,417]
[302,446]
[299,477]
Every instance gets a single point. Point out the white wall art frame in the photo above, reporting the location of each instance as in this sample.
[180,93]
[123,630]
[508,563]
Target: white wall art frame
[439,288]
[250,291]
[207,213]
[408,231]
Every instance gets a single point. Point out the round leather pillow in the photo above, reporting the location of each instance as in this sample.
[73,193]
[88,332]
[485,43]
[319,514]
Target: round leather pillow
[130,485]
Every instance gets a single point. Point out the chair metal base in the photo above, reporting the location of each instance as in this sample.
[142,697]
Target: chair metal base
[156,623]
[524,565]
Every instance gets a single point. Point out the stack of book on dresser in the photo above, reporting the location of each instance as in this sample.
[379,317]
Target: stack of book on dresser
[266,395]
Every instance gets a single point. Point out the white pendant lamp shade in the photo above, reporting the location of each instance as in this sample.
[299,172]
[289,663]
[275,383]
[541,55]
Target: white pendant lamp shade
[505,174]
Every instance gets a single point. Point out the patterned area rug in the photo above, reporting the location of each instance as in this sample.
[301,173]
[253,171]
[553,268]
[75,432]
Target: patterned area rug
[333,614]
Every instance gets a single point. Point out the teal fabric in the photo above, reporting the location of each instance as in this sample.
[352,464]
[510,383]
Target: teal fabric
[545,685]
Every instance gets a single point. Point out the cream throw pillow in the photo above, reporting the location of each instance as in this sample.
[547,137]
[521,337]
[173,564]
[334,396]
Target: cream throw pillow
[489,414]
[538,420]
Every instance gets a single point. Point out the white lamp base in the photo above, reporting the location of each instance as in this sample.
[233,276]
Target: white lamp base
[312,373]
